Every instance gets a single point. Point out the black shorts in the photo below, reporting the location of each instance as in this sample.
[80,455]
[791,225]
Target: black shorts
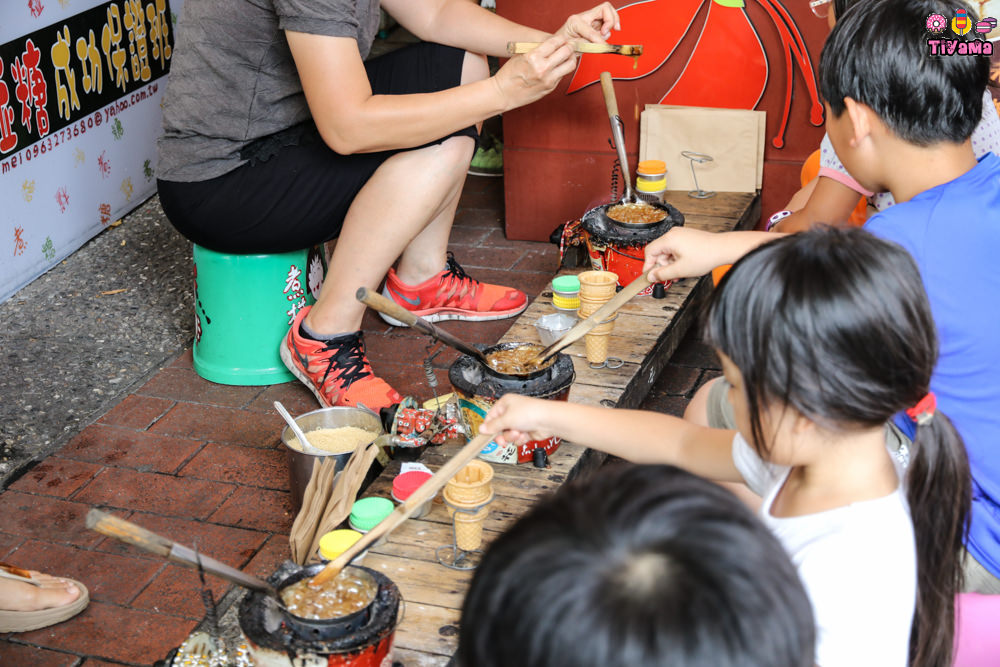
[295,192]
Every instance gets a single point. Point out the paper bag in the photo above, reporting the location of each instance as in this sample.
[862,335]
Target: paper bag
[734,138]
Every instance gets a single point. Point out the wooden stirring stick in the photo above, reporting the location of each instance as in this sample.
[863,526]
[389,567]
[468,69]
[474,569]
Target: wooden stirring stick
[513,48]
[425,492]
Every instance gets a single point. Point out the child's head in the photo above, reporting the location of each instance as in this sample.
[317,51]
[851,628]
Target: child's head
[639,565]
[834,325]
[878,56]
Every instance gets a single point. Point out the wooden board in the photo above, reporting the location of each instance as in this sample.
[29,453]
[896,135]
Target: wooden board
[646,334]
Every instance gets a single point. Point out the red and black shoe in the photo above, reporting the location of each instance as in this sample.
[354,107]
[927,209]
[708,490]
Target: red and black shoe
[337,371]
[453,295]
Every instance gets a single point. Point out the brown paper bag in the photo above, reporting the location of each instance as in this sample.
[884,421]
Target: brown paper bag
[327,500]
[733,137]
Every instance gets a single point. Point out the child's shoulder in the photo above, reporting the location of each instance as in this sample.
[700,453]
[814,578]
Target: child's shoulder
[976,193]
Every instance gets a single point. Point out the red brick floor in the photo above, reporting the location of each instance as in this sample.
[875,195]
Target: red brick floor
[201,463]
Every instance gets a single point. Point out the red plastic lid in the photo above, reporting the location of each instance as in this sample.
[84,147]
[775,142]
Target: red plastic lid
[404,485]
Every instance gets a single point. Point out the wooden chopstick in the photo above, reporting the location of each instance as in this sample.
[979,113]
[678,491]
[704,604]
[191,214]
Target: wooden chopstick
[514,48]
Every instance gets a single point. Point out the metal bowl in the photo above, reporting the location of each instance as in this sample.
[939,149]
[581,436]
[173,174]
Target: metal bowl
[300,464]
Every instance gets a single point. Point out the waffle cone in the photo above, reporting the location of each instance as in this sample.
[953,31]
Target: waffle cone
[451,502]
[471,486]
[597,347]
[469,529]
[590,307]
[603,329]
[597,284]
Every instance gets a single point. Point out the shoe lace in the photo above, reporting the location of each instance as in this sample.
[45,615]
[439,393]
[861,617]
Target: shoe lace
[455,276]
[349,359]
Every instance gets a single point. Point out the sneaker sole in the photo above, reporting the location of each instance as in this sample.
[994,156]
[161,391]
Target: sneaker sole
[286,358]
[461,315]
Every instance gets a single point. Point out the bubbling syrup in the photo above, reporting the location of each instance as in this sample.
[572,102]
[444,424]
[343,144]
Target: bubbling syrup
[639,213]
[517,361]
[350,591]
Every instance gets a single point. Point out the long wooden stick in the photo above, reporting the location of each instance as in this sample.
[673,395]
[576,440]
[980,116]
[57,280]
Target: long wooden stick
[513,48]
[126,531]
[424,492]
[580,329]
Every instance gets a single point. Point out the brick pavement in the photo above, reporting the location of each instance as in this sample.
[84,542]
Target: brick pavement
[202,463]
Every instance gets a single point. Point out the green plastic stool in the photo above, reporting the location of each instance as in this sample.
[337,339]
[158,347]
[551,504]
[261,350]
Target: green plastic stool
[244,305]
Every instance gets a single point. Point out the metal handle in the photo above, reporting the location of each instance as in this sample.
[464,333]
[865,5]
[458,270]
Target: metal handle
[393,309]
[617,132]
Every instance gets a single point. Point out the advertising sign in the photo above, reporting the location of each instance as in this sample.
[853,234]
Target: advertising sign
[81,83]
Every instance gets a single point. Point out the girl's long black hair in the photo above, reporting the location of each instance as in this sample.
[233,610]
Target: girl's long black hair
[836,324]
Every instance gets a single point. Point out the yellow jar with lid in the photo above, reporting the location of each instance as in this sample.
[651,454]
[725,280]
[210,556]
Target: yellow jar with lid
[651,176]
[336,542]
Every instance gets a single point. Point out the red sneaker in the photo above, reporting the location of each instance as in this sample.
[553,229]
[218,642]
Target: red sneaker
[453,295]
[337,372]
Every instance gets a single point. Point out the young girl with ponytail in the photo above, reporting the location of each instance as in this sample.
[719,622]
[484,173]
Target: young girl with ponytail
[817,365]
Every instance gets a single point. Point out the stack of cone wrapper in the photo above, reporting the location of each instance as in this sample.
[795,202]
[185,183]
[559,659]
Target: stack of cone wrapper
[596,289]
[470,488]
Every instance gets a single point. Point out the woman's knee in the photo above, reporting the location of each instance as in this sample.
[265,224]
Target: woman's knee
[475,67]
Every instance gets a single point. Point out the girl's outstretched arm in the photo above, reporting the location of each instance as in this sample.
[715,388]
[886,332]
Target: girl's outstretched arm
[636,435]
[684,252]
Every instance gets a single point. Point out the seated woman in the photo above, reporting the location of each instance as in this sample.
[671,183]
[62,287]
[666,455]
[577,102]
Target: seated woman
[281,133]
[639,565]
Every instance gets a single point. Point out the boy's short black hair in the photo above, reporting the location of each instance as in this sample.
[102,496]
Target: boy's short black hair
[878,55]
[642,566]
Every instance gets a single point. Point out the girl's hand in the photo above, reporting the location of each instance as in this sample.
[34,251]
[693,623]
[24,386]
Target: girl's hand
[680,253]
[593,25]
[526,78]
[517,419]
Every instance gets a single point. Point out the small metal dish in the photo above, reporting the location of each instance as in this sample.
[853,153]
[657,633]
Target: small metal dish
[551,327]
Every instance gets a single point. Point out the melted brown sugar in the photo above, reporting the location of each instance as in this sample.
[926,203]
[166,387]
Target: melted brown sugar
[348,592]
[638,213]
[517,361]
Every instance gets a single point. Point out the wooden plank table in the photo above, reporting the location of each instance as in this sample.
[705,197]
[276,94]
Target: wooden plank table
[645,335]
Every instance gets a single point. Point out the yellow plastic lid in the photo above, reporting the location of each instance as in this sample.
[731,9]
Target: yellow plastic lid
[336,542]
[652,167]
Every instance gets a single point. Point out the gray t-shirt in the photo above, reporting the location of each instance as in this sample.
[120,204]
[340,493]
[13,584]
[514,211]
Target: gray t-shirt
[232,78]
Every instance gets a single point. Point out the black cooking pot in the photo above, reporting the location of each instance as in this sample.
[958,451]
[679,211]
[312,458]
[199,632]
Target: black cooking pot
[623,234]
[329,628]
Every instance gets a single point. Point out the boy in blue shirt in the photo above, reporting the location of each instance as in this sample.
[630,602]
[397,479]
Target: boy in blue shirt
[900,120]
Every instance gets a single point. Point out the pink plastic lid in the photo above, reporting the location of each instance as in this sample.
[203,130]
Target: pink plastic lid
[404,485]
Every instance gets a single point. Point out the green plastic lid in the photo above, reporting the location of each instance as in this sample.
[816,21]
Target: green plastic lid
[566,284]
[369,512]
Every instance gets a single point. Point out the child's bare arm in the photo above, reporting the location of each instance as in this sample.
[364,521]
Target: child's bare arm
[684,252]
[636,435]
[830,203]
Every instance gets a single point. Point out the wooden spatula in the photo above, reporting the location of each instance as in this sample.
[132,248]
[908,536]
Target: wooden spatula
[581,328]
[425,492]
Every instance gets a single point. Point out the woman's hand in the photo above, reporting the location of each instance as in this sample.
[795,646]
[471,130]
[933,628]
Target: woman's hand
[517,419]
[526,78]
[593,25]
